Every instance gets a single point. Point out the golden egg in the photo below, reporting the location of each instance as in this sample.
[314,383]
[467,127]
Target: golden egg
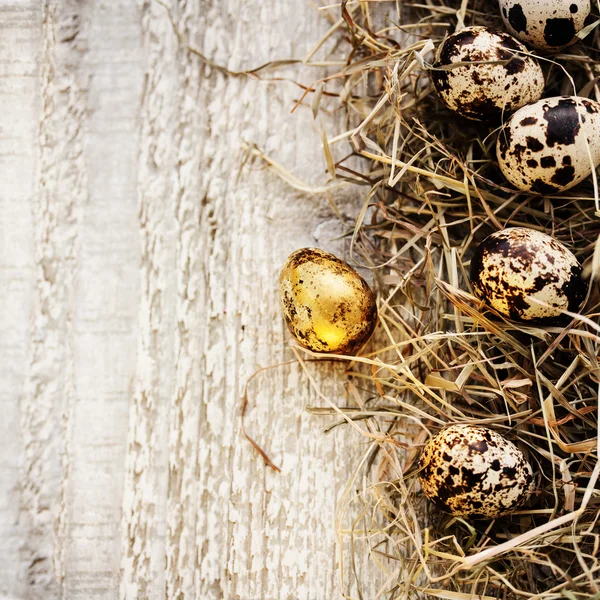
[327,305]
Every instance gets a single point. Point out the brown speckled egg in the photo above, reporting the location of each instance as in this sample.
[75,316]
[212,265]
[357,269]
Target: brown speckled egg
[548,25]
[543,148]
[326,304]
[472,471]
[516,264]
[484,88]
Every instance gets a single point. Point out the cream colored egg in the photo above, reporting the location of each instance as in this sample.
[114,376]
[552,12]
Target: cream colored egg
[327,305]
[473,471]
[527,275]
[551,145]
[496,75]
[547,25]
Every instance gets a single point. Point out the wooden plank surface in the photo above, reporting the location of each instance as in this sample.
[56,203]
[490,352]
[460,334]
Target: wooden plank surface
[139,272]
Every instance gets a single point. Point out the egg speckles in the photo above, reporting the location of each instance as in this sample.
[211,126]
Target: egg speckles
[548,25]
[327,305]
[472,471]
[551,145]
[514,265]
[485,88]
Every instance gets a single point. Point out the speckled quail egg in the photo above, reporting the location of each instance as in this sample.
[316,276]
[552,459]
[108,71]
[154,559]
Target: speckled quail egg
[548,25]
[551,145]
[496,76]
[516,266]
[472,471]
[326,304]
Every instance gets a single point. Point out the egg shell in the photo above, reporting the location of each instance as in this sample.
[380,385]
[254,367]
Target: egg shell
[516,264]
[482,90]
[327,305]
[551,145]
[547,25]
[473,471]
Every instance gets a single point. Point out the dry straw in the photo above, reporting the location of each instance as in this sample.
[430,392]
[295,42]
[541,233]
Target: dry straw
[432,192]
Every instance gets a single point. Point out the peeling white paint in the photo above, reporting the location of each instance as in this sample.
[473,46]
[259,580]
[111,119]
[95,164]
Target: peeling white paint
[139,270]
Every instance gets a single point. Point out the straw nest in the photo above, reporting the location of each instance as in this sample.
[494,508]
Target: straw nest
[432,191]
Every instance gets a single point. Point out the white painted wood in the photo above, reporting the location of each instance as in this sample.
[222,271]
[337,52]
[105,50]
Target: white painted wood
[19,98]
[139,272]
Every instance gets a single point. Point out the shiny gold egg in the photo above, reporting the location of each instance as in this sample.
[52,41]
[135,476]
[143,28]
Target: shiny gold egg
[327,305]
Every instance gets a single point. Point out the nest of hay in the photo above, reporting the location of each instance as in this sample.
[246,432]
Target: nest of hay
[432,191]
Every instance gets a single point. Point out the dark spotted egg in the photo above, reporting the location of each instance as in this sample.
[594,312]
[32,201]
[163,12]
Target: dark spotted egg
[551,145]
[513,268]
[472,471]
[548,25]
[327,305]
[495,75]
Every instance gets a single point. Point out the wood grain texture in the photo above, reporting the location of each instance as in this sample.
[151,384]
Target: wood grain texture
[20,46]
[60,193]
[139,268]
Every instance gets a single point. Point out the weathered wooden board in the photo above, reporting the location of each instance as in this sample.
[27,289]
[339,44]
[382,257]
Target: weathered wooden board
[138,272]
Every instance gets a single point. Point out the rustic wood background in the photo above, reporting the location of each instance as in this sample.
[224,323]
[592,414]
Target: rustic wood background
[138,270]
